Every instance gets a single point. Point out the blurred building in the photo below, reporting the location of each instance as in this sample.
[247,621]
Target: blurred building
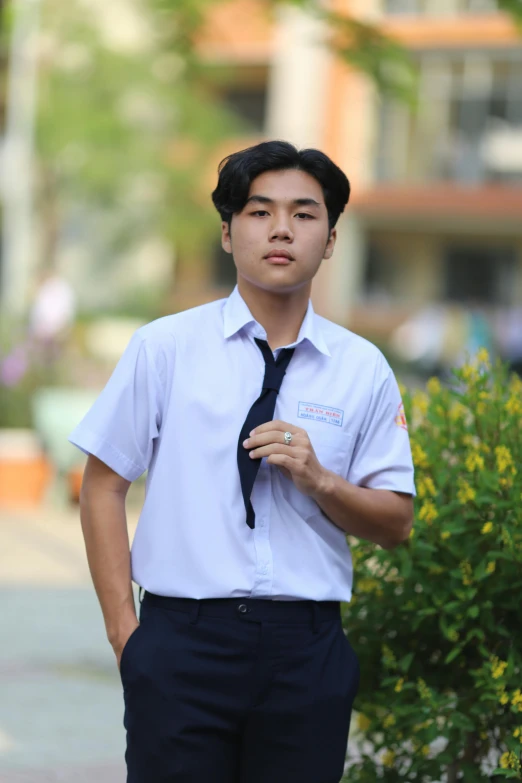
[436,211]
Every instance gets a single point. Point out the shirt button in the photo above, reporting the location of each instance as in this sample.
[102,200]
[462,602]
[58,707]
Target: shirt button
[242,608]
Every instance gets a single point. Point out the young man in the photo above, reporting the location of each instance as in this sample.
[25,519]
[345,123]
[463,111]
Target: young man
[269,433]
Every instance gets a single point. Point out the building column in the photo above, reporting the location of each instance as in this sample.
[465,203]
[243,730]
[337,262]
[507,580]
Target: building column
[300,66]
[338,284]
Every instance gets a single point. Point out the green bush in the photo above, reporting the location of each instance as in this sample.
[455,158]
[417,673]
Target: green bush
[437,622]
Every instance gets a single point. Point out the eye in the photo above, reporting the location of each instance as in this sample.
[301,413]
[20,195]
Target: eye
[305,215]
[260,212]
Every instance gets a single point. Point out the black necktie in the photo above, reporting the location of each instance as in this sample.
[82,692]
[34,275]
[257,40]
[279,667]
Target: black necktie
[261,411]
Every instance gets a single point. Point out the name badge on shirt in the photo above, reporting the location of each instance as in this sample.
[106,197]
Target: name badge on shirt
[309,410]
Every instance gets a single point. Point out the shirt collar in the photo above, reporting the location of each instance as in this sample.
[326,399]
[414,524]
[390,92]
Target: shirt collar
[236,315]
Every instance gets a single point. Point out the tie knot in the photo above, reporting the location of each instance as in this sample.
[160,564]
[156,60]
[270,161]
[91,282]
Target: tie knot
[274,370]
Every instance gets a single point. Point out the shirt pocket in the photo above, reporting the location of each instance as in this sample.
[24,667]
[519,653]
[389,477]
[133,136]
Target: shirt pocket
[333,449]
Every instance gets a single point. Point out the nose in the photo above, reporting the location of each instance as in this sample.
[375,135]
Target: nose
[280,229]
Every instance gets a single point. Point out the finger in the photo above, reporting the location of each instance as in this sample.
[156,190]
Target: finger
[282,461]
[271,448]
[277,425]
[264,438]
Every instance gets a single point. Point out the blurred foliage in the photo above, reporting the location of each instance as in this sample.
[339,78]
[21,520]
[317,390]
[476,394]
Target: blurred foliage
[129,138]
[436,622]
[513,8]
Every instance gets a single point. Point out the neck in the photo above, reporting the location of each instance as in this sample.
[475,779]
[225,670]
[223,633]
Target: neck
[280,314]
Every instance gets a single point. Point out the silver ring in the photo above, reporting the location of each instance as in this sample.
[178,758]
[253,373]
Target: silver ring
[288,438]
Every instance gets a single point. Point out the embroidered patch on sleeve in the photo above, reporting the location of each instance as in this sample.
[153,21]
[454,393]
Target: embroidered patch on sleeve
[400,418]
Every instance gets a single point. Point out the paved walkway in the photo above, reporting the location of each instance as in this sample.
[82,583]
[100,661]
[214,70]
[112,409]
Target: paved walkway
[61,710]
[61,705]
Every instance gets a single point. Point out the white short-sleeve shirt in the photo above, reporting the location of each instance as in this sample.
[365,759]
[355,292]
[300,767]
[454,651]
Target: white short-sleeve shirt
[175,405]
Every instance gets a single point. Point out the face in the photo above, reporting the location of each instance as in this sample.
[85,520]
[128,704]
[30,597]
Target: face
[280,237]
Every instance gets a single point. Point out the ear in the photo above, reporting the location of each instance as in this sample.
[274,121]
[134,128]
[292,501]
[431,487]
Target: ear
[330,245]
[226,239]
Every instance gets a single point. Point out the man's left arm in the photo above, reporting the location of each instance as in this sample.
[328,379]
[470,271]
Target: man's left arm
[379,515]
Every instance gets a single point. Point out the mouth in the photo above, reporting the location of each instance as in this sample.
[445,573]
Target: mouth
[279,258]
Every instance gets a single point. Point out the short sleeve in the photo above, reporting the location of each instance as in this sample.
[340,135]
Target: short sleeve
[125,419]
[382,455]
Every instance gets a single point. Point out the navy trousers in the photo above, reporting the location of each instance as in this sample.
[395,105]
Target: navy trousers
[237,691]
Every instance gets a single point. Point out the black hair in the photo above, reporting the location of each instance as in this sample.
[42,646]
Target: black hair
[237,172]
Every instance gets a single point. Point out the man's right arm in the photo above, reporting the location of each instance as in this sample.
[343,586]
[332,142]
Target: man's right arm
[104,525]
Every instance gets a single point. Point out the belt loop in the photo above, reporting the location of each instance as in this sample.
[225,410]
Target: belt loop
[140,596]
[194,613]
[315,617]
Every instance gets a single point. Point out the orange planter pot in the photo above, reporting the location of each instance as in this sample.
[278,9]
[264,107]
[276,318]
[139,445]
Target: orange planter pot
[24,481]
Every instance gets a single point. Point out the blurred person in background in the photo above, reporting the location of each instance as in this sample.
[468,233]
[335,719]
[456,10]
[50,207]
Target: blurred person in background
[51,316]
[269,434]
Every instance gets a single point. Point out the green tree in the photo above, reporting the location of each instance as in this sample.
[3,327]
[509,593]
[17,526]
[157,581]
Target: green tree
[126,138]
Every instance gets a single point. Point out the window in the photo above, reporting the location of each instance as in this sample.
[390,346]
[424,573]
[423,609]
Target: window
[380,272]
[249,103]
[468,127]
[477,274]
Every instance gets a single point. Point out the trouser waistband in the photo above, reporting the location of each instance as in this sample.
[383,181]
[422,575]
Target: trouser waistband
[251,609]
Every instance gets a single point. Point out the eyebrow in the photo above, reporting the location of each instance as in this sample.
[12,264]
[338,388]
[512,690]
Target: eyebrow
[297,202]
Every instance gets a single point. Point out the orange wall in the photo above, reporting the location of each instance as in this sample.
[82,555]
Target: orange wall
[237,30]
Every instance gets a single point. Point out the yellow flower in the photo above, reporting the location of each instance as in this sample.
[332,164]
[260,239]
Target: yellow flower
[428,512]
[420,403]
[363,722]
[388,758]
[509,760]
[490,568]
[445,535]
[514,406]
[466,493]
[424,691]
[412,533]
[487,528]
[481,408]
[388,721]
[426,487]
[498,667]
[482,356]
[503,698]
[367,585]
[517,698]
[474,462]
[467,573]
[433,386]
[504,460]
[457,411]
[518,733]
[515,384]
[398,687]
[425,750]
[468,372]
[420,458]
